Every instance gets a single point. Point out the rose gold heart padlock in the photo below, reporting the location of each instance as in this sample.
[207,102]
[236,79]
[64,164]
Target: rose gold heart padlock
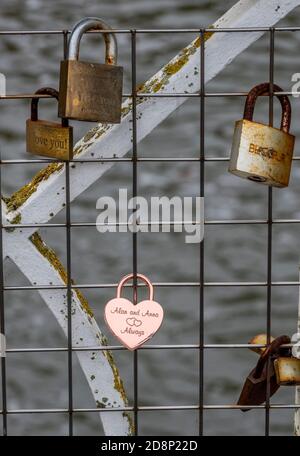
[133,324]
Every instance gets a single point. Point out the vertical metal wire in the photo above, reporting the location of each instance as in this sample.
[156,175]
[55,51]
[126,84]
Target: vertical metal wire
[69,279]
[134,234]
[202,186]
[2,314]
[270,233]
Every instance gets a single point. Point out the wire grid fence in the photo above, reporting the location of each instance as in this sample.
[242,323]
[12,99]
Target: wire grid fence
[134,159]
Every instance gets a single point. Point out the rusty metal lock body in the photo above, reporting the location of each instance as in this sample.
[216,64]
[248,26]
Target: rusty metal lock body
[261,153]
[287,371]
[254,391]
[88,91]
[49,139]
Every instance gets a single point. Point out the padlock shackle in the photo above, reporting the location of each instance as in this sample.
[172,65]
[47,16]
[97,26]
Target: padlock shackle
[35,101]
[272,349]
[264,89]
[138,276]
[93,23]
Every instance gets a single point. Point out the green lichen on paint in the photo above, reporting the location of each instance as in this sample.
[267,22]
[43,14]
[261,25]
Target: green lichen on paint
[125,110]
[100,404]
[90,134]
[131,423]
[118,383]
[51,256]
[156,84]
[16,220]
[21,195]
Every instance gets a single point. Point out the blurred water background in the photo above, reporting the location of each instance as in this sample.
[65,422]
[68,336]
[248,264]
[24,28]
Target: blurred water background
[232,252]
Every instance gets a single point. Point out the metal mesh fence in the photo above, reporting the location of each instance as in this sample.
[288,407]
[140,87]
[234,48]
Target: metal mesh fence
[133,161]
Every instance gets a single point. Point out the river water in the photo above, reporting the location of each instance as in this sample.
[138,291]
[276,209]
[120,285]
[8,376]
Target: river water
[233,253]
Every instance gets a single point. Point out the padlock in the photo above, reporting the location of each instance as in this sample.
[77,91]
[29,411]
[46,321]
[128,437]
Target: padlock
[254,391]
[259,152]
[259,339]
[46,138]
[287,371]
[133,323]
[91,91]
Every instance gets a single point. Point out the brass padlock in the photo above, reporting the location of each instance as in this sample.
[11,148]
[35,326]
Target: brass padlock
[259,339]
[287,371]
[46,138]
[259,152]
[91,91]
[254,391]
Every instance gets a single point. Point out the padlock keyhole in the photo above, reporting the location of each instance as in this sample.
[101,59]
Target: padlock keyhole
[256,178]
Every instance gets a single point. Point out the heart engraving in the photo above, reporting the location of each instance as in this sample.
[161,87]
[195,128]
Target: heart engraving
[133,324]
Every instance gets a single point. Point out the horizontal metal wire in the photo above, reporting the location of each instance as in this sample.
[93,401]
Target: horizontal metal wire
[145,408]
[156,30]
[156,284]
[144,347]
[121,160]
[26,96]
[162,223]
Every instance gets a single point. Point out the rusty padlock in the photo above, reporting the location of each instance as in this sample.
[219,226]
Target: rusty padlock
[46,138]
[91,91]
[259,339]
[287,371]
[259,152]
[254,391]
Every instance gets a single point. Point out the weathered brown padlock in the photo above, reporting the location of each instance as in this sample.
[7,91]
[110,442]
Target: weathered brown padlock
[254,391]
[259,339]
[46,138]
[287,371]
[91,91]
[259,152]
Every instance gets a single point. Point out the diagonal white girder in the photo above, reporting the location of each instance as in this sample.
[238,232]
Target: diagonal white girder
[41,266]
[44,196]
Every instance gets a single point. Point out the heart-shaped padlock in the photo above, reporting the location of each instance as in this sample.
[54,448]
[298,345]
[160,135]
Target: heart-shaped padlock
[133,324]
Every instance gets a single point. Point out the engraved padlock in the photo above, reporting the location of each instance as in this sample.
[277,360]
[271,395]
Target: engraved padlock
[91,91]
[259,152]
[133,323]
[50,139]
[287,371]
[254,391]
